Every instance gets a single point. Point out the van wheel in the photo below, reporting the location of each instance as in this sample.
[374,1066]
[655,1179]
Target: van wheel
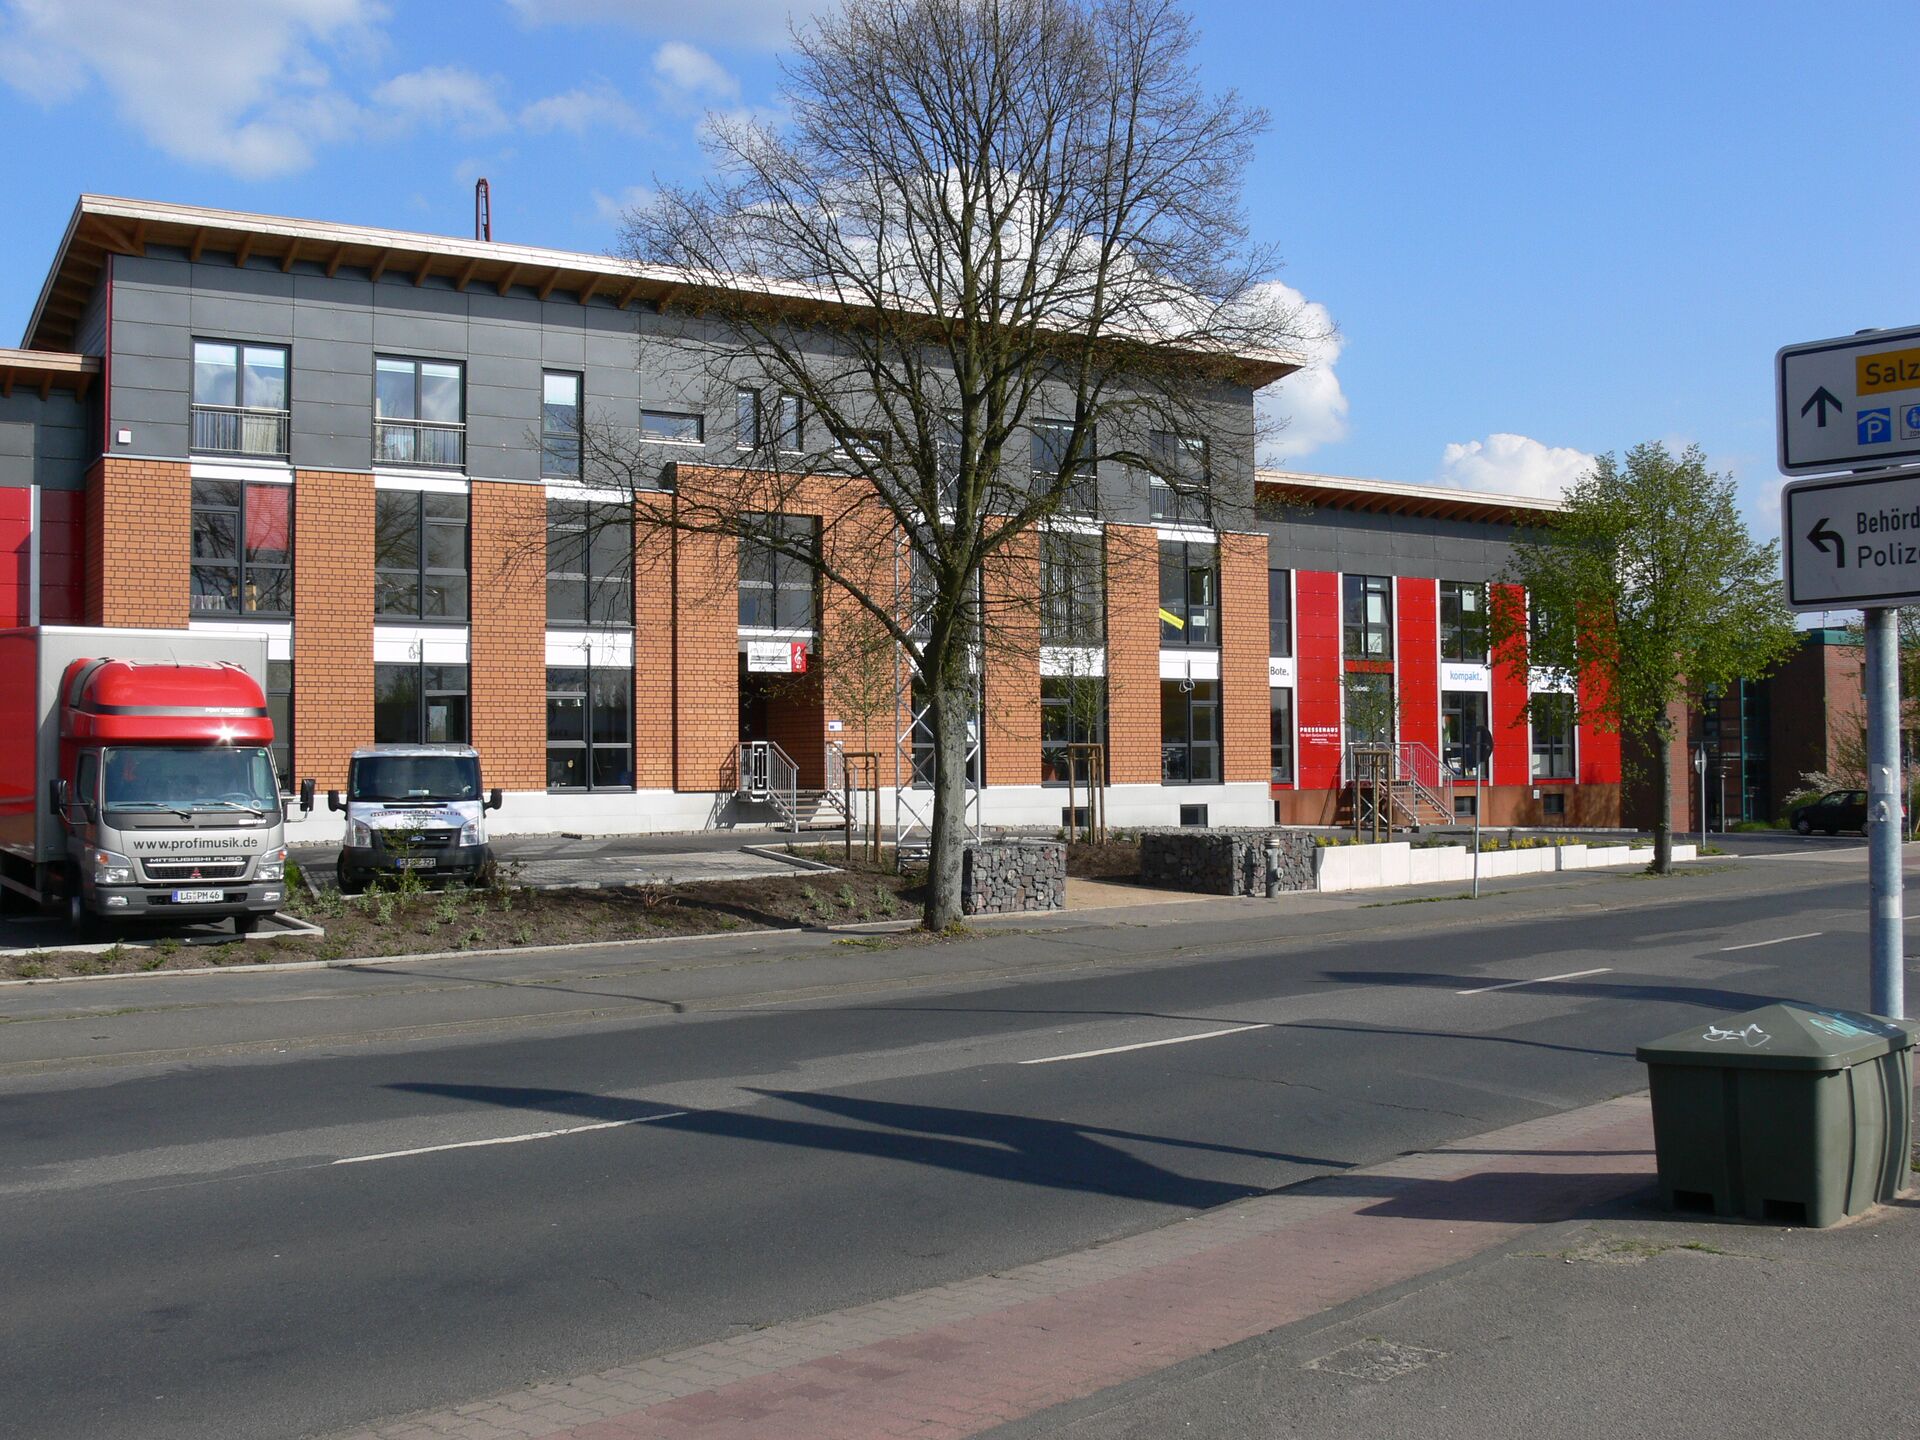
[348,884]
[82,921]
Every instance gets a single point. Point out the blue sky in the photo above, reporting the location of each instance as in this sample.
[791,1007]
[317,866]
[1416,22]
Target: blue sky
[1542,230]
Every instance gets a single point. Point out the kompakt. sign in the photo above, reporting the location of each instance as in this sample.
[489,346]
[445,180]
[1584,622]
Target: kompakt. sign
[1851,403]
[1853,540]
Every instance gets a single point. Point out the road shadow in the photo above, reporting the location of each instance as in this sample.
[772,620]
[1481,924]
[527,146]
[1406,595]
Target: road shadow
[1501,1197]
[1053,1154]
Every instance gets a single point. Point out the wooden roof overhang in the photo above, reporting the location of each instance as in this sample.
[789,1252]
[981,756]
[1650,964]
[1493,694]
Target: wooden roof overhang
[44,372]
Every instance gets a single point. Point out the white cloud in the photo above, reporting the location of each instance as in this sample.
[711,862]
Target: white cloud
[612,209]
[593,106]
[1512,465]
[237,84]
[1308,409]
[689,71]
[760,23]
[443,95]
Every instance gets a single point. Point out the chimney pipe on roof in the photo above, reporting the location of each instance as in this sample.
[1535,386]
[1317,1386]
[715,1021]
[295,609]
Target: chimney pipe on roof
[482,210]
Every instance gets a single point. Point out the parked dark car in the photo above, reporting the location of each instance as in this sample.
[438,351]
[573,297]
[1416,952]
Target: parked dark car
[1833,812]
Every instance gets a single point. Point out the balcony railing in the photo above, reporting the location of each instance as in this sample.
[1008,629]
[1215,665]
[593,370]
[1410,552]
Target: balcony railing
[238,430]
[1179,507]
[432,443]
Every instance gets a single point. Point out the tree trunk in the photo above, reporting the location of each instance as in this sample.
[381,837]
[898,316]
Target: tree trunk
[948,713]
[1663,816]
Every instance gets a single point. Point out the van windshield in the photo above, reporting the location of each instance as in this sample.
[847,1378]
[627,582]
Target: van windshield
[185,779]
[414,777]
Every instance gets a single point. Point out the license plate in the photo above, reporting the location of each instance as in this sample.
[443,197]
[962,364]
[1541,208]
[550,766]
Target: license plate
[198,897]
[415,862]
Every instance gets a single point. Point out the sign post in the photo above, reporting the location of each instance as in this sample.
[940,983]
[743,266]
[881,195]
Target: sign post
[1853,403]
[1700,769]
[1482,752]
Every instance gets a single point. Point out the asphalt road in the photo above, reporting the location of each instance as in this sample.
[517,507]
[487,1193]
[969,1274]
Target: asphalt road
[188,1253]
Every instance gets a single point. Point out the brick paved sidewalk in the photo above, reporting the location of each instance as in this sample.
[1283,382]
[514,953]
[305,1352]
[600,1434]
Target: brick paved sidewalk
[963,1358]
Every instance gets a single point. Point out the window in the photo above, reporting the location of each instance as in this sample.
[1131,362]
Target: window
[1279,612]
[280,711]
[415,704]
[776,584]
[873,445]
[1368,608]
[1554,802]
[1177,489]
[1371,714]
[1465,802]
[1189,594]
[923,757]
[420,555]
[1463,621]
[675,426]
[1073,711]
[1552,737]
[1073,590]
[239,398]
[560,425]
[1545,642]
[419,412]
[1463,715]
[589,563]
[1193,817]
[1280,702]
[1080,494]
[589,728]
[1190,732]
[754,412]
[242,548]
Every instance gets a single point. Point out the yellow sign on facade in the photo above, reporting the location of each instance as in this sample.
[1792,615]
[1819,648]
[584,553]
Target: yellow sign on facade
[1889,370]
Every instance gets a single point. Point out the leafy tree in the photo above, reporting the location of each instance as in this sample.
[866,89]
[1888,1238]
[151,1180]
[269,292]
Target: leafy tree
[1649,590]
[978,216]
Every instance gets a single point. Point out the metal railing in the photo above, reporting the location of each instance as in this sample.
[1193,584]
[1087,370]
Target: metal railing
[239,430]
[1416,785]
[435,443]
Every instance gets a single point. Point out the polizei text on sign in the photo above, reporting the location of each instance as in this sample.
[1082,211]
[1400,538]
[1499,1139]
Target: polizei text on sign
[1853,540]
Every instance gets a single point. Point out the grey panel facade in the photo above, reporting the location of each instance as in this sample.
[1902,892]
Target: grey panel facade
[1368,543]
[44,442]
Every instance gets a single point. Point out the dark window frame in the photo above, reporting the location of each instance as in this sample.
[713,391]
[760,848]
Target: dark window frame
[574,528]
[253,429]
[422,577]
[208,570]
[773,577]
[1279,612]
[415,426]
[1165,500]
[1551,752]
[1358,630]
[1465,630]
[418,732]
[1195,698]
[279,693]
[656,435]
[1079,495]
[1280,746]
[588,696]
[1177,595]
[1064,722]
[566,442]
[1073,589]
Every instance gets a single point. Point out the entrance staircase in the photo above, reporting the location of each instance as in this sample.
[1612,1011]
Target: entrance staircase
[766,774]
[1402,786]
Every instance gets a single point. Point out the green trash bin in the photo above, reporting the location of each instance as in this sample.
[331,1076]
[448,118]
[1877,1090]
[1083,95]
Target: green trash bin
[1785,1114]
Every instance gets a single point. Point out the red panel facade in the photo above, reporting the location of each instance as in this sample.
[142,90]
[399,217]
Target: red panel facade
[62,548]
[1316,628]
[16,555]
[1512,757]
[1418,603]
[1597,751]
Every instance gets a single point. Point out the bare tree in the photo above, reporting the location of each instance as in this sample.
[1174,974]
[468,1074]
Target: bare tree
[996,250]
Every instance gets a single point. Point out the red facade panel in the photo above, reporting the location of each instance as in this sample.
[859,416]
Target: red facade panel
[1316,628]
[1597,750]
[1418,603]
[1512,757]
[62,548]
[16,555]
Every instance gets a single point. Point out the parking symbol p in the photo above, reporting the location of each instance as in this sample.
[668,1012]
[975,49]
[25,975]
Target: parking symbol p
[1876,426]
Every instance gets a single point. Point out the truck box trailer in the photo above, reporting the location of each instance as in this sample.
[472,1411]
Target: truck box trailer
[136,775]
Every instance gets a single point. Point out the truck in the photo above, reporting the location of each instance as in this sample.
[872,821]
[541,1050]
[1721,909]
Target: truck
[137,778]
[417,808]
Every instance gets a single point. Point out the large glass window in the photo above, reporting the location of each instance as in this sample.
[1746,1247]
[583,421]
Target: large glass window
[1190,732]
[1371,713]
[589,563]
[1463,621]
[280,711]
[589,728]
[678,426]
[1280,703]
[1080,495]
[1463,715]
[769,418]
[1178,489]
[420,555]
[239,398]
[416,704]
[1073,711]
[419,412]
[1073,590]
[777,587]
[1552,717]
[1367,632]
[1279,612]
[1189,594]
[242,548]
[560,425]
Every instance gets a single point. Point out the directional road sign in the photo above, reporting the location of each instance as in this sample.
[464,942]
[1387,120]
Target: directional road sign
[1853,540]
[1851,403]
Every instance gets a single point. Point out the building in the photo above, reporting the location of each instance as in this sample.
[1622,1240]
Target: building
[365,443]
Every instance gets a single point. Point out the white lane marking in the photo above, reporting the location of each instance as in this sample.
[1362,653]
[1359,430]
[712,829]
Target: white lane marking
[506,1139]
[1147,1044]
[1756,944]
[1538,980]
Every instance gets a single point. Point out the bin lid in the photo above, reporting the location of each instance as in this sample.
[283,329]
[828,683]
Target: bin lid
[1783,1037]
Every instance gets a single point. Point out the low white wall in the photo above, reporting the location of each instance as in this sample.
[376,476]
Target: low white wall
[1372,867]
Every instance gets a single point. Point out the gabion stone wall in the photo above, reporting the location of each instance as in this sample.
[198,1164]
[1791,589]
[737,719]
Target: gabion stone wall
[1227,861]
[1002,877]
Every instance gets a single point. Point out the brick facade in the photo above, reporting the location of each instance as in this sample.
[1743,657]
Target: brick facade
[507,678]
[1245,715]
[333,634]
[1011,702]
[1133,655]
[139,536]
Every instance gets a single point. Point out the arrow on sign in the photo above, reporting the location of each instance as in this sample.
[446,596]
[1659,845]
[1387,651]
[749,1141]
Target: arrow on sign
[1820,535]
[1822,397]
